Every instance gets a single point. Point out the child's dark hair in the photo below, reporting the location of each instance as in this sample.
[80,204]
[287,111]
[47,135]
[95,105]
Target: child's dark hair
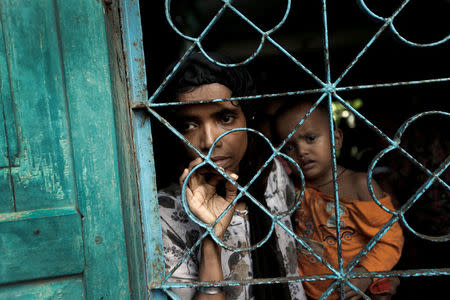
[287,106]
[195,71]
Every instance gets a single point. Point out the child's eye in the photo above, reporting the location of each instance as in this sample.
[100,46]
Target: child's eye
[311,138]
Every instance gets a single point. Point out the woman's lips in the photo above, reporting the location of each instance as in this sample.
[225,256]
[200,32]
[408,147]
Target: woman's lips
[221,161]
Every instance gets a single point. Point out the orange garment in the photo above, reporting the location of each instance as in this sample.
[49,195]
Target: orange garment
[315,222]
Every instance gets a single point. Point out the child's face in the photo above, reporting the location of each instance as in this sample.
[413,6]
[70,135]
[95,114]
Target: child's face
[202,124]
[310,145]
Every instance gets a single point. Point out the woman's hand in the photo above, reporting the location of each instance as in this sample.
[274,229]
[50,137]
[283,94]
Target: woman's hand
[202,197]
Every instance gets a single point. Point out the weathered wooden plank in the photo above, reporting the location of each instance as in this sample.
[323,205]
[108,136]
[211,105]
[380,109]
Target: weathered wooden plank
[126,159]
[42,166]
[4,154]
[70,288]
[88,89]
[137,89]
[6,196]
[39,244]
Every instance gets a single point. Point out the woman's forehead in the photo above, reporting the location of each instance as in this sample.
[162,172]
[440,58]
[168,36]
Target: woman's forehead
[208,109]
[206,92]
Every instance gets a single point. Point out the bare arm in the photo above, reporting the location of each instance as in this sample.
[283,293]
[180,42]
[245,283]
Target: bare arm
[210,267]
[207,205]
[387,250]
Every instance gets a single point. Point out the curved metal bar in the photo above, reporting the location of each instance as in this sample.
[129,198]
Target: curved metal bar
[394,30]
[297,204]
[273,42]
[387,139]
[443,238]
[276,27]
[250,248]
[207,28]
[265,210]
[244,62]
[369,178]
[270,31]
[370,12]
[169,19]
[242,191]
[401,130]
[387,22]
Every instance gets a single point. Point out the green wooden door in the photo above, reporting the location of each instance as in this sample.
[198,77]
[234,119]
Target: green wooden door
[61,228]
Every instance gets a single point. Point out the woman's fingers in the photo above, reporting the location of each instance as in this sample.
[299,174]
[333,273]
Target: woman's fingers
[230,189]
[195,179]
[183,176]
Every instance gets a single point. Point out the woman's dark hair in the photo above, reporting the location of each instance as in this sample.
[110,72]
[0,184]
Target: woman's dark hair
[195,71]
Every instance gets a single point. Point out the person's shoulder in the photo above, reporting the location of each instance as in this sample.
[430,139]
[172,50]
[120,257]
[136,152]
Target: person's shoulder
[278,175]
[280,190]
[358,181]
[169,197]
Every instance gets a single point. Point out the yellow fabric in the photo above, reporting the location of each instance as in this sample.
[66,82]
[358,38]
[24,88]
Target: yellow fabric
[360,221]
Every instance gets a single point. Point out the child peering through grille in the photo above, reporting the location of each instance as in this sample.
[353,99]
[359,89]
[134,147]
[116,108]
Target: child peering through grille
[360,217]
[208,193]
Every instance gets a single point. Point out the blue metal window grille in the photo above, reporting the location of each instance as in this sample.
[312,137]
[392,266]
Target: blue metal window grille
[330,91]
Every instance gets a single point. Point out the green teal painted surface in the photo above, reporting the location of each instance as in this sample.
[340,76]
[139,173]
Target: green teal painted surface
[6,114]
[88,91]
[126,154]
[62,214]
[40,244]
[41,167]
[68,289]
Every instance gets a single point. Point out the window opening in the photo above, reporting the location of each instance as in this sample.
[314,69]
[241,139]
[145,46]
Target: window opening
[340,82]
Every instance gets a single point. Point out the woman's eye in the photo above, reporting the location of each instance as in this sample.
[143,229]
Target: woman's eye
[289,148]
[226,119]
[186,126]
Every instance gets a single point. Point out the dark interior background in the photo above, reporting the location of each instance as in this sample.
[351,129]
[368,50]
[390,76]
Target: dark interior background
[387,60]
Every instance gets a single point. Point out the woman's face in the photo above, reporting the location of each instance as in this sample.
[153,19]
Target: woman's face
[201,124]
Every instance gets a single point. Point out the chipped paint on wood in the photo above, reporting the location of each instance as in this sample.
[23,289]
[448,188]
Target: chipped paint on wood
[63,158]
[40,244]
[69,288]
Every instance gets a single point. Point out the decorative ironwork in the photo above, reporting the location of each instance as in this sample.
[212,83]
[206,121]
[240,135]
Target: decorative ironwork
[328,92]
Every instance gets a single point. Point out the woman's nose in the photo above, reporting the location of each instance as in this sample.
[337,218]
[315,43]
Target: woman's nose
[210,133]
